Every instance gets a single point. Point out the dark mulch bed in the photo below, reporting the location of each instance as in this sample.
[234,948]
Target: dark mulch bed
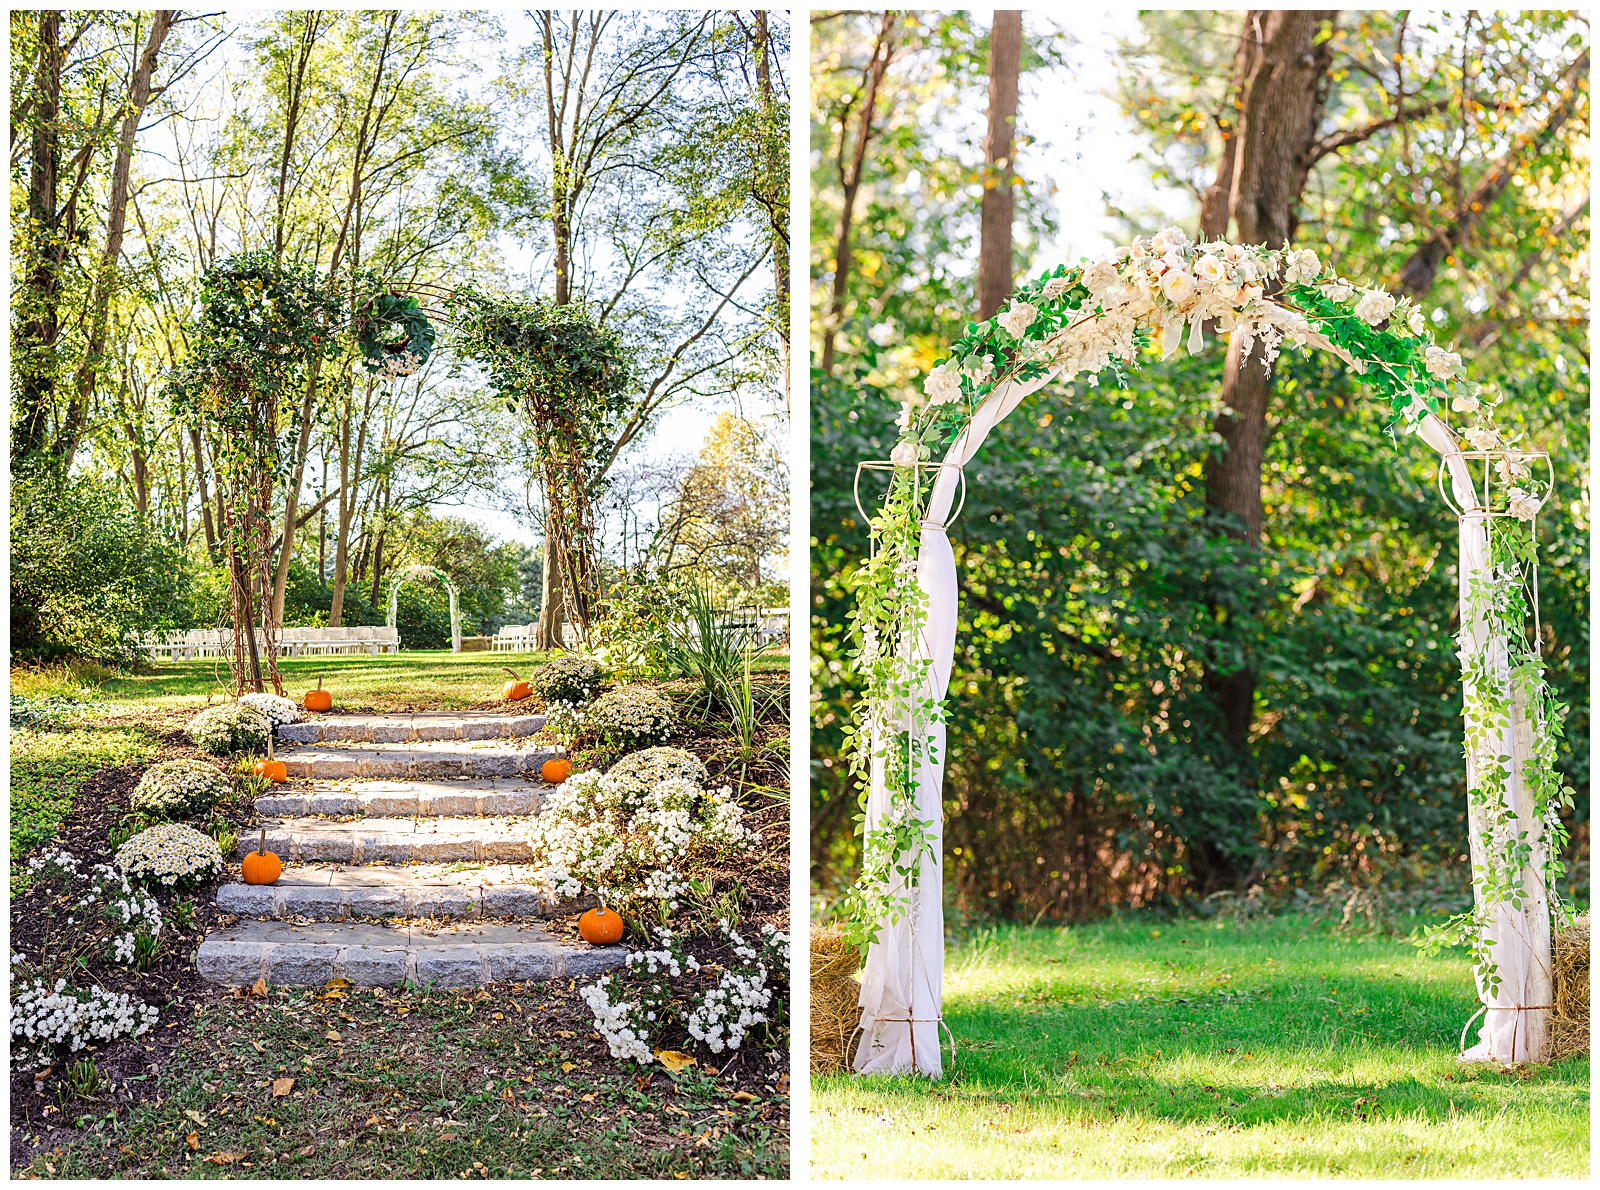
[133,1068]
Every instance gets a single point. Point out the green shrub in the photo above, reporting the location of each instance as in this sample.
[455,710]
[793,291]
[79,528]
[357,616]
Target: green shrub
[574,680]
[170,854]
[179,789]
[231,727]
[640,771]
[631,717]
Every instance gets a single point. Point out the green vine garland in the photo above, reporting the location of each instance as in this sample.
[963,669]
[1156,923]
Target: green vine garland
[394,335]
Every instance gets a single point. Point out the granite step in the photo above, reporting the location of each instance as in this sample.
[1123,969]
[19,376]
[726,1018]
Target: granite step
[393,840]
[373,955]
[399,799]
[331,893]
[442,759]
[411,728]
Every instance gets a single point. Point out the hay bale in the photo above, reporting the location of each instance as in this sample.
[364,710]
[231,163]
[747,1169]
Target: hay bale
[835,998]
[1569,1015]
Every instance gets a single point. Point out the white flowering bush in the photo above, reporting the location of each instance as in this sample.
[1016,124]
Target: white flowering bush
[632,717]
[170,854]
[179,788]
[563,721]
[278,709]
[574,680]
[231,727]
[47,1018]
[95,914]
[643,769]
[610,834]
[739,1002]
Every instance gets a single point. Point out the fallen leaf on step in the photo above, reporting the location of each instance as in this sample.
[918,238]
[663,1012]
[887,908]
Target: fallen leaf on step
[193,1141]
[674,1061]
[333,1035]
[341,982]
[567,1067]
[259,987]
[260,1049]
[281,1087]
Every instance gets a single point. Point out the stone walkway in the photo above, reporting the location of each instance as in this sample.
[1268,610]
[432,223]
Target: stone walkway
[389,825]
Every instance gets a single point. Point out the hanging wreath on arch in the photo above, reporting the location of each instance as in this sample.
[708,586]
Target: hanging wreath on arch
[394,335]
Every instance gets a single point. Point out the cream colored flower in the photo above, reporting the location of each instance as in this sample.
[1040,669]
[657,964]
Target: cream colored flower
[1017,319]
[1522,505]
[1375,306]
[1250,293]
[1338,290]
[1416,322]
[1057,286]
[1464,403]
[1178,286]
[905,454]
[1210,270]
[942,385]
[979,367]
[907,416]
[1303,267]
[1099,277]
[1442,364]
[1482,438]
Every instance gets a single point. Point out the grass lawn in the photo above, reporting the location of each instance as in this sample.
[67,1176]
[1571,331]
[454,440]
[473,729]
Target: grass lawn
[1148,1048]
[435,680]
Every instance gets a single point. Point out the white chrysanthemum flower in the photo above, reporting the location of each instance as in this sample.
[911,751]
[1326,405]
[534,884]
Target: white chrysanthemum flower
[169,853]
[231,727]
[275,707]
[1301,267]
[179,788]
[905,454]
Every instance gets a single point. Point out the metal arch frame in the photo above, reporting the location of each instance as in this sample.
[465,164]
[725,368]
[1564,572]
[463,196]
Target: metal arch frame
[420,570]
[935,468]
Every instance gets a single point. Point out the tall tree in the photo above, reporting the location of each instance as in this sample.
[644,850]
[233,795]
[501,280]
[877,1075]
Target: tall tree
[999,168]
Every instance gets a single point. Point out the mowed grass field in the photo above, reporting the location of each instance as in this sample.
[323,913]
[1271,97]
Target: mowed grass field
[434,680]
[1144,1048]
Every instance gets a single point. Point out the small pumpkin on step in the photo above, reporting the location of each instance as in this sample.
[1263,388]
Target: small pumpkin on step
[556,770]
[262,866]
[600,927]
[319,699]
[516,689]
[273,770]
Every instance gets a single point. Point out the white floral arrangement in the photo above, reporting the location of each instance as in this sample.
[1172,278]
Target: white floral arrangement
[616,1021]
[278,709]
[608,834]
[179,788]
[631,716]
[170,854]
[727,1012]
[46,1018]
[649,766]
[563,721]
[231,727]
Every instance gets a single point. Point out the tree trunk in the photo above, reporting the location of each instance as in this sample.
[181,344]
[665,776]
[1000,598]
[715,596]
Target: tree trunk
[850,182]
[1282,72]
[552,600]
[779,211]
[34,348]
[205,499]
[349,476]
[994,254]
[139,94]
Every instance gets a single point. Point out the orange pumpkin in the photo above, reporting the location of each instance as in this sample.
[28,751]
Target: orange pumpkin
[262,866]
[274,770]
[600,927]
[319,699]
[516,689]
[556,770]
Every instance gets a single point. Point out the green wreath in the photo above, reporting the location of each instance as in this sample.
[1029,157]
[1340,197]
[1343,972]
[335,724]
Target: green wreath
[395,336]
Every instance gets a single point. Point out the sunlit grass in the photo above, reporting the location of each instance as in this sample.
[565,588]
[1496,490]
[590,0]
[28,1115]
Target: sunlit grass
[1189,1048]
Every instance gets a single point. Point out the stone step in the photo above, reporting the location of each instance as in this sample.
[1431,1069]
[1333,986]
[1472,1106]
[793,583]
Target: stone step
[441,759]
[399,799]
[409,728]
[410,890]
[373,955]
[393,840]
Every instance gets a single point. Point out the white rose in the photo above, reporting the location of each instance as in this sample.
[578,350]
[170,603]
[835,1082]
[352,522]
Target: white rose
[979,367]
[1481,438]
[1099,277]
[943,384]
[1303,267]
[1522,505]
[905,454]
[1169,237]
[1375,306]
[1055,287]
[1018,318]
[1250,293]
[1442,364]
[1210,270]
[907,415]
[1338,290]
[1463,403]
[1178,286]
[1416,322]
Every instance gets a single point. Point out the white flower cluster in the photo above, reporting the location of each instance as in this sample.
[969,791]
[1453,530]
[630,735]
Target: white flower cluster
[131,912]
[179,788]
[615,1022]
[231,727]
[609,832]
[43,1017]
[275,707]
[168,854]
[631,716]
[641,770]
[575,680]
[391,365]
[664,885]
[731,1009]
[563,721]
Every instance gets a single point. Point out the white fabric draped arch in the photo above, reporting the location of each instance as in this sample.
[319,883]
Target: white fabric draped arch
[419,571]
[903,982]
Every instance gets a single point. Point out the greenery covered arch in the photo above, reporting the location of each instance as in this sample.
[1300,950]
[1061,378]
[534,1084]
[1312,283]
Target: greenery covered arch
[1096,318]
[421,571]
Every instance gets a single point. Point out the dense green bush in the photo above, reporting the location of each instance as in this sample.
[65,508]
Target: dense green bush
[231,727]
[87,570]
[573,680]
[179,789]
